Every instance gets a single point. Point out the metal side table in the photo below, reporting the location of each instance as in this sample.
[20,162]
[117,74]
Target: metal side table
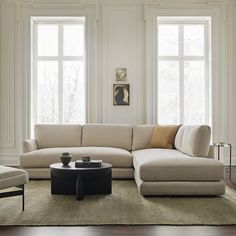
[225,145]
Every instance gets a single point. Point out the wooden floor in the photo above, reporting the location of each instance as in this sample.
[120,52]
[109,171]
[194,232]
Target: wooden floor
[127,230]
[121,230]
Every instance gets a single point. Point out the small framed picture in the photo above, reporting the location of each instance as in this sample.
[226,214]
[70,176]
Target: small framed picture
[121,94]
[121,74]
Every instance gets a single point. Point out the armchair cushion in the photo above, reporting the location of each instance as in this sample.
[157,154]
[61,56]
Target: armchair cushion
[12,177]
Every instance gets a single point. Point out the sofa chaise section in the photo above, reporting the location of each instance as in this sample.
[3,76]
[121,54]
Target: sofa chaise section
[183,171]
[172,165]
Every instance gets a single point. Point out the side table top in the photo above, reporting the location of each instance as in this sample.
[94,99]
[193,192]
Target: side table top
[221,144]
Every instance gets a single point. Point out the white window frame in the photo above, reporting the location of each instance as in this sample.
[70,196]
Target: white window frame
[60,21]
[181,21]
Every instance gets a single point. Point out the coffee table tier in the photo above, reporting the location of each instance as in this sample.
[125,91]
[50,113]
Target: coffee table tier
[80,181]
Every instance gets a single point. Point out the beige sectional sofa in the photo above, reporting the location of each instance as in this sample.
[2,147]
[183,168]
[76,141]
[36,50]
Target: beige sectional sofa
[185,170]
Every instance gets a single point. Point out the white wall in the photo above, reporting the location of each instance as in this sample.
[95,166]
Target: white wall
[118,33]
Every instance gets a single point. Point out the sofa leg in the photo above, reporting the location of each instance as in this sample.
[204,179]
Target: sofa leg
[23,197]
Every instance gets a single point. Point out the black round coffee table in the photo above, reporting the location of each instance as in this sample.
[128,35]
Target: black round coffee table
[80,181]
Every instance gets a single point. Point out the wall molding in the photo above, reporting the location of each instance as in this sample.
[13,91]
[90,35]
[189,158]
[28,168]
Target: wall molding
[7,76]
[232,74]
[133,114]
[79,4]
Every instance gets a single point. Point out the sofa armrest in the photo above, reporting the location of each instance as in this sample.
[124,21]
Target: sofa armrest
[29,145]
[211,152]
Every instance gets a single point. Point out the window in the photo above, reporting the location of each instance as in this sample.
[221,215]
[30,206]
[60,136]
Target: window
[58,84]
[183,70]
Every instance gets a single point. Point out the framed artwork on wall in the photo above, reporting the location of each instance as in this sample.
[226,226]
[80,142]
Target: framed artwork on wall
[121,95]
[121,74]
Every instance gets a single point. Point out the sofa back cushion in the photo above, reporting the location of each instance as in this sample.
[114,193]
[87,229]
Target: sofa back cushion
[54,135]
[141,136]
[193,140]
[104,135]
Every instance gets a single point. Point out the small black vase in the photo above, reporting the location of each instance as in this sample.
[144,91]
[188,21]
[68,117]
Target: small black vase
[65,158]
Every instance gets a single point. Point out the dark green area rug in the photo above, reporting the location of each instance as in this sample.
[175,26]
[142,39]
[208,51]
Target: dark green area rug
[124,206]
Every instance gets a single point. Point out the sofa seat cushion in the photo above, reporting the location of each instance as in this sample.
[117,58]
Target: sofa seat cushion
[172,165]
[44,157]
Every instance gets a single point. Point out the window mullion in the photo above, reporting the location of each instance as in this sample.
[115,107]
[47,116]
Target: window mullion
[168,58]
[73,58]
[60,73]
[181,73]
[207,71]
[47,58]
[35,74]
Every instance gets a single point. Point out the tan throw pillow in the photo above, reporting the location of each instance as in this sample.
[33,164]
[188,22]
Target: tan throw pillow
[163,136]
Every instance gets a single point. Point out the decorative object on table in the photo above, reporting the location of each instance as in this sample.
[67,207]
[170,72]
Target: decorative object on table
[120,94]
[88,164]
[85,159]
[121,74]
[65,158]
[224,145]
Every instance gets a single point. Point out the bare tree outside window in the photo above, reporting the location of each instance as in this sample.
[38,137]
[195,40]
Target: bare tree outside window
[73,85]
